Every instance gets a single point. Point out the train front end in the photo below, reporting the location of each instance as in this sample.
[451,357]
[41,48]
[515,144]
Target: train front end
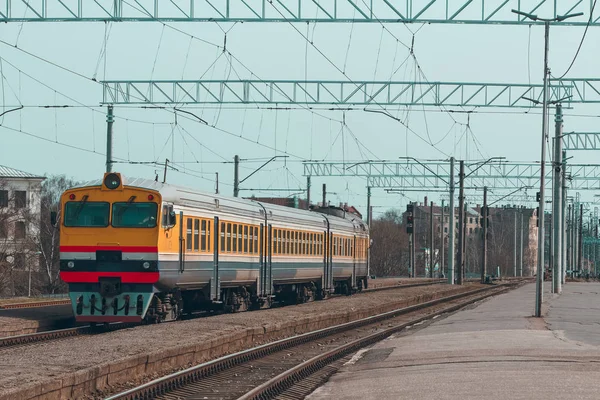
[109,249]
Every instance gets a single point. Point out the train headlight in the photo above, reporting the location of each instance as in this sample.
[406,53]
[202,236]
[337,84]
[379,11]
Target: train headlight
[71,264]
[112,181]
[146,265]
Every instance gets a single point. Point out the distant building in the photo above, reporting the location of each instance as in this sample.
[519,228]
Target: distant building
[502,220]
[20,211]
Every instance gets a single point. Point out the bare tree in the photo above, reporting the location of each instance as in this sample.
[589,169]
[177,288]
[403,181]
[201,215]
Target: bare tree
[389,254]
[48,238]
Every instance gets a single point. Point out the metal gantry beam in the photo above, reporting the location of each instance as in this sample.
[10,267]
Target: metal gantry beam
[581,141]
[435,175]
[583,90]
[515,199]
[391,11]
[315,92]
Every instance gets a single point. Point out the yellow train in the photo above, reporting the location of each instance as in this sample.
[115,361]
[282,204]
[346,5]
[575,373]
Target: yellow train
[134,250]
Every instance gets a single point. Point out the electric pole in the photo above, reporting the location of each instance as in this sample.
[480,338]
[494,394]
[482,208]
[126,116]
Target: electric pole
[410,227]
[461,213]
[451,223]
[109,138]
[441,271]
[431,238]
[308,193]
[368,205]
[539,289]
[216,183]
[236,175]
[580,237]
[563,219]
[521,245]
[325,195]
[515,247]
[557,203]
[484,224]
[165,171]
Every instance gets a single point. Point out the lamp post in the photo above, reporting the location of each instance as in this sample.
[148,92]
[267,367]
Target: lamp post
[540,267]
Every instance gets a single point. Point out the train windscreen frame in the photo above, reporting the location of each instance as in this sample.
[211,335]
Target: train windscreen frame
[88,214]
[134,215]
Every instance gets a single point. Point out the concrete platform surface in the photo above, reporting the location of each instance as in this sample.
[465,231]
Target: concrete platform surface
[495,350]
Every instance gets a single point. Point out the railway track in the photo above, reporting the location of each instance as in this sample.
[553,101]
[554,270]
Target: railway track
[291,368]
[35,304]
[56,334]
[29,338]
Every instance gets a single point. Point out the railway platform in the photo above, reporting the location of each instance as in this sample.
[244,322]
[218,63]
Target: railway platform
[494,350]
[21,321]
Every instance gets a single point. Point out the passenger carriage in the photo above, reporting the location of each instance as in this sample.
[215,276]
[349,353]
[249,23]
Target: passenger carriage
[143,250]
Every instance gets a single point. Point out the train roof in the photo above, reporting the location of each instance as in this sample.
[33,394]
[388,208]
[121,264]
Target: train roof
[191,197]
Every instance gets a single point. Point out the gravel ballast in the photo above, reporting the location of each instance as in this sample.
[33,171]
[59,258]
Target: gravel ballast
[74,367]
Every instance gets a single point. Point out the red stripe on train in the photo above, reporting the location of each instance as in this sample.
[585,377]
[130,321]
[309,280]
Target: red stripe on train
[92,277]
[124,249]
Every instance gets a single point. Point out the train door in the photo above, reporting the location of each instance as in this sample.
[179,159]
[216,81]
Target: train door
[269,262]
[327,259]
[215,280]
[354,262]
[181,244]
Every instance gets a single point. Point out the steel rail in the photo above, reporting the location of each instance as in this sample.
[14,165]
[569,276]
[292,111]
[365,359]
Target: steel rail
[190,375]
[28,338]
[35,304]
[292,376]
[44,336]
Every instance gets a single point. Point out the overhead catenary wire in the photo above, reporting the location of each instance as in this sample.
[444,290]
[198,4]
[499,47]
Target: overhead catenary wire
[158,107]
[581,41]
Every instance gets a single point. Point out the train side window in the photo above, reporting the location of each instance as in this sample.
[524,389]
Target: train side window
[289,242]
[240,239]
[203,234]
[305,235]
[255,240]
[229,237]
[188,239]
[334,246]
[196,233]
[235,238]
[318,244]
[246,239]
[279,241]
[310,244]
[222,233]
[296,243]
[208,229]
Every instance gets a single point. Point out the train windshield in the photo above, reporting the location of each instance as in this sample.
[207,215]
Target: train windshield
[86,214]
[134,215]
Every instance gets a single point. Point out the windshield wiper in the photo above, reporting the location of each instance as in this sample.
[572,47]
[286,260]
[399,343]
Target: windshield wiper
[80,206]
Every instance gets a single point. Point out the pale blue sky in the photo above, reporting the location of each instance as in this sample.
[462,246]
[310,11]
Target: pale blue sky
[272,51]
